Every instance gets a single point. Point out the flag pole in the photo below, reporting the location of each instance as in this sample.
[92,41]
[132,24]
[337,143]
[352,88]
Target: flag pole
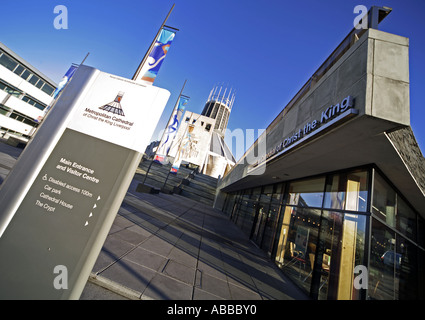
[84,58]
[163,133]
[136,74]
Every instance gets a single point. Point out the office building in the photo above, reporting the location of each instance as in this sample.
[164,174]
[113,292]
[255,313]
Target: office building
[24,94]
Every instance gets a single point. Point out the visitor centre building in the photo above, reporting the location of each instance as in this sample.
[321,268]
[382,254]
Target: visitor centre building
[337,199]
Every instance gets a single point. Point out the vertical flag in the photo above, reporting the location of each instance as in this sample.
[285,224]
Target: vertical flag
[66,78]
[176,166]
[154,61]
[171,130]
[185,146]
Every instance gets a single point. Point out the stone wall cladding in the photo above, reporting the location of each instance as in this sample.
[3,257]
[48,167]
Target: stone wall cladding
[408,148]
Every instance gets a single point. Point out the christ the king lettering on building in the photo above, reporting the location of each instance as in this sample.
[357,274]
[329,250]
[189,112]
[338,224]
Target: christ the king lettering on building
[310,127]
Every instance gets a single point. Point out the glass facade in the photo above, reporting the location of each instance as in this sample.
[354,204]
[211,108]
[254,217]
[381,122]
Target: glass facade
[346,235]
[397,253]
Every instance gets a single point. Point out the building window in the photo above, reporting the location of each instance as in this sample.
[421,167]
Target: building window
[7,62]
[19,70]
[384,201]
[33,80]
[383,262]
[357,194]
[25,74]
[5,110]
[335,192]
[39,84]
[390,208]
[18,94]
[393,272]
[34,103]
[48,89]
[298,242]
[307,193]
[406,219]
[347,191]
[10,90]
[21,118]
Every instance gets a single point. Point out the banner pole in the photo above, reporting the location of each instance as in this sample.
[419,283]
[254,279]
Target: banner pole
[85,58]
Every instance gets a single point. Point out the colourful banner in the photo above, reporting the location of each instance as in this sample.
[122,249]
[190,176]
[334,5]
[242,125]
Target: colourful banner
[156,57]
[175,167]
[171,130]
[184,147]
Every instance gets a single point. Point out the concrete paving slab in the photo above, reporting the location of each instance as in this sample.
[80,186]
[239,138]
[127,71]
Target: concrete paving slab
[216,286]
[112,250]
[183,257]
[169,234]
[243,293]
[129,275]
[180,272]
[146,258]
[129,236]
[214,270]
[166,288]
[199,294]
[122,222]
[137,229]
[157,245]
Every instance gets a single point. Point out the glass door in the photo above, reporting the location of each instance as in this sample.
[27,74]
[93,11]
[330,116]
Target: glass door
[260,223]
[340,250]
[327,257]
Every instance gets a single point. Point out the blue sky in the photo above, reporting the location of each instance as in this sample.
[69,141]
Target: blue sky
[266,50]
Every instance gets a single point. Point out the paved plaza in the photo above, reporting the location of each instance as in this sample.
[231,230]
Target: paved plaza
[168,247]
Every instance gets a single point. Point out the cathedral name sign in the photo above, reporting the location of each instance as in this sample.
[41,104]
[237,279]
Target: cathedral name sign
[328,117]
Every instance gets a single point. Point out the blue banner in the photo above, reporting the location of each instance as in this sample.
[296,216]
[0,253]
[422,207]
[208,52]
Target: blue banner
[156,57]
[66,78]
[171,130]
